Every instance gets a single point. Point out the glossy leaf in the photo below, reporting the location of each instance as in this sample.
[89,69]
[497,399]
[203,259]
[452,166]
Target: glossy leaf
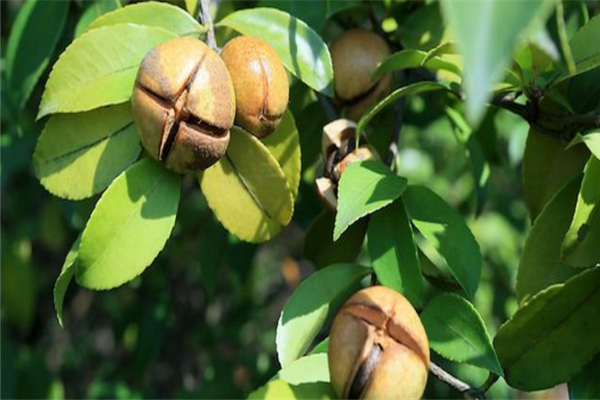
[91,74]
[591,140]
[301,49]
[364,188]
[406,59]
[306,311]
[540,264]
[93,11]
[310,368]
[64,279]
[409,90]
[586,385]
[320,248]
[456,331]
[32,41]
[79,155]
[129,226]
[247,190]
[447,232]
[579,249]
[393,252]
[487,41]
[281,390]
[547,166]
[284,145]
[152,14]
[555,328]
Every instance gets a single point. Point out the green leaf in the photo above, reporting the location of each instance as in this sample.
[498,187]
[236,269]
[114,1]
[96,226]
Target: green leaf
[316,299]
[585,50]
[247,190]
[551,337]
[79,155]
[547,166]
[129,226]
[423,29]
[364,188]
[91,74]
[540,264]
[406,59]
[447,231]
[393,252]
[412,89]
[64,279]
[310,368]
[313,12]
[284,145]
[301,49]
[32,41]
[320,248]
[487,41]
[591,140]
[586,385]
[577,239]
[456,331]
[152,14]
[281,390]
[95,10]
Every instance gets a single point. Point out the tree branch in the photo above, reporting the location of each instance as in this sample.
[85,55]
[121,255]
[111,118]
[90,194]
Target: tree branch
[456,383]
[208,22]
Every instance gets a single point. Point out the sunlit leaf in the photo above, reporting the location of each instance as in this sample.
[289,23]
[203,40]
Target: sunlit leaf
[129,226]
[64,279]
[93,11]
[310,368]
[281,390]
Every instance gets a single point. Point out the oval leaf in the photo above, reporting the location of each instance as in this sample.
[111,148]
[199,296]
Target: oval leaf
[129,226]
[93,11]
[364,188]
[555,328]
[160,15]
[487,42]
[99,68]
[247,190]
[447,231]
[310,368]
[393,252]
[64,279]
[456,331]
[580,247]
[317,298]
[412,89]
[320,248]
[281,390]
[284,145]
[301,49]
[79,155]
[406,59]
[540,264]
[32,40]
[547,166]
[591,140]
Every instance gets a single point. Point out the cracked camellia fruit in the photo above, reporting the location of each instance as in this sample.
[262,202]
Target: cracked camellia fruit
[339,150]
[378,348]
[184,105]
[355,55]
[260,82]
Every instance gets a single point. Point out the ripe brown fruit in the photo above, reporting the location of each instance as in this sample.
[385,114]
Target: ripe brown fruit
[378,348]
[355,55]
[184,105]
[260,82]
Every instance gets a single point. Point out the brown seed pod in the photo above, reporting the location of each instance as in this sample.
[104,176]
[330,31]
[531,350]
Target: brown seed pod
[260,82]
[355,55]
[378,348]
[184,105]
[339,150]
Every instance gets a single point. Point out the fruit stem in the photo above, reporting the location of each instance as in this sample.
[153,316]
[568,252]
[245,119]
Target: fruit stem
[208,22]
[456,383]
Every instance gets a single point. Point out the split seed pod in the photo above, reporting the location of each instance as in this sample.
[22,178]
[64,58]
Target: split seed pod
[378,348]
[184,105]
[339,150]
[260,82]
[355,55]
